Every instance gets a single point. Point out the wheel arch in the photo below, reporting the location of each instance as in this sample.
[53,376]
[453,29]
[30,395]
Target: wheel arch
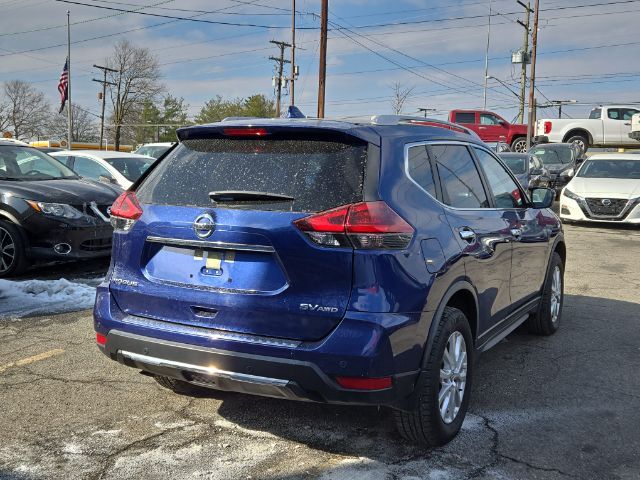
[578,131]
[461,295]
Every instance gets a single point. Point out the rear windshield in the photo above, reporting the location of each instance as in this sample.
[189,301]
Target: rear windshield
[319,175]
[516,163]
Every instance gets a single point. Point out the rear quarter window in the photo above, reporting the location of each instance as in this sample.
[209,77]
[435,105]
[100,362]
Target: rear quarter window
[465,118]
[318,174]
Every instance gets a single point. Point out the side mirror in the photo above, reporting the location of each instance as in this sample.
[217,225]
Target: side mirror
[543,197]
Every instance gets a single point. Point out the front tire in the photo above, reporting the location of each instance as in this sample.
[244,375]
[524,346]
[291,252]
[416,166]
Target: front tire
[443,396]
[13,260]
[547,319]
[519,145]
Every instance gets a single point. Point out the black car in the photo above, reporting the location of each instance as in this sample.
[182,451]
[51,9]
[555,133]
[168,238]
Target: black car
[560,159]
[47,212]
[527,168]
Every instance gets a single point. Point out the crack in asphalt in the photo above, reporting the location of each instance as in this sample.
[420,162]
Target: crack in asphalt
[497,455]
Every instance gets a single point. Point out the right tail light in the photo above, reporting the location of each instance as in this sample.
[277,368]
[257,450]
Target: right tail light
[547,127]
[364,225]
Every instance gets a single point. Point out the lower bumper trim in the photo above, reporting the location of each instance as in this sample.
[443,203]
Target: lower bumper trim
[208,371]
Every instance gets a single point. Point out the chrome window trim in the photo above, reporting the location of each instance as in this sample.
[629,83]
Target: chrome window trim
[448,142]
[181,242]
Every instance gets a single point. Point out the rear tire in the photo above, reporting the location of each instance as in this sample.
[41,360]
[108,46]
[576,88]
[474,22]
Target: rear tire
[519,145]
[434,421]
[179,386]
[579,140]
[547,319]
[13,260]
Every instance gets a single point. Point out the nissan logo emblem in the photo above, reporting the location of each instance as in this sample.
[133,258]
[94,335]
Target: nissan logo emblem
[204,225]
[606,202]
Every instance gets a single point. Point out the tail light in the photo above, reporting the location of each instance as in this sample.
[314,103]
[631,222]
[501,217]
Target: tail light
[547,127]
[101,339]
[363,383]
[125,211]
[365,225]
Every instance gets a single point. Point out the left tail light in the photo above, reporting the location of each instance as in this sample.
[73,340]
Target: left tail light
[547,127]
[125,211]
[365,225]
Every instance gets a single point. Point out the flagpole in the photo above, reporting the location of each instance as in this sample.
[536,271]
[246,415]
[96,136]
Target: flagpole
[69,107]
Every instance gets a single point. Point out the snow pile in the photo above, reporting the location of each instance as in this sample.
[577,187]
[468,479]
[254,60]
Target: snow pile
[29,297]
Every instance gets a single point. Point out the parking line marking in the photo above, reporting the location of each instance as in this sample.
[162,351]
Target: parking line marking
[34,358]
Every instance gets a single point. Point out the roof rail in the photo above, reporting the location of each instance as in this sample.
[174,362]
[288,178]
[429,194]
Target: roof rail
[414,120]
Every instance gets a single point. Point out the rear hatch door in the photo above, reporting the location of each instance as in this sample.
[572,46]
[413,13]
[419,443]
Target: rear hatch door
[237,263]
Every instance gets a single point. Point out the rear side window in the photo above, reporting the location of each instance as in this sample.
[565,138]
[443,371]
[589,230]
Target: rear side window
[595,114]
[318,174]
[465,117]
[506,192]
[419,168]
[459,178]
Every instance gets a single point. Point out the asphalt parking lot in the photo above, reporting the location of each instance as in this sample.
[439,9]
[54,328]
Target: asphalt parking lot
[563,406]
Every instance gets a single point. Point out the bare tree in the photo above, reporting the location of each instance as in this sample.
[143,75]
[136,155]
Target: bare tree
[4,115]
[137,79]
[27,110]
[84,127]
[400,96]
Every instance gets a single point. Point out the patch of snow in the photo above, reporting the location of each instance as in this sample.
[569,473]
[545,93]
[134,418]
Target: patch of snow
[22,468]
[72,448]
[107,432]
[29,297]
[174,425]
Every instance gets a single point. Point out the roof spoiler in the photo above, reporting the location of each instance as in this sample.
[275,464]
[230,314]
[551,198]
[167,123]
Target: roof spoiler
[415,120]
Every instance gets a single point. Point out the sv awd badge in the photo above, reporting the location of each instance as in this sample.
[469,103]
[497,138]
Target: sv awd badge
[317,308]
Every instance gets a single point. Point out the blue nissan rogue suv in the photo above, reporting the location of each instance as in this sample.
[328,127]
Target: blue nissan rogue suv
[342,262]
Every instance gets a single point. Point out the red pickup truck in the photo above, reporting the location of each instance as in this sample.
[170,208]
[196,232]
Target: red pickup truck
[491,127]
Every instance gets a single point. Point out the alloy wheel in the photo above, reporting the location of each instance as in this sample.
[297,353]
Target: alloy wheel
[556,294]
[7,250]
[520,146]
[453,377]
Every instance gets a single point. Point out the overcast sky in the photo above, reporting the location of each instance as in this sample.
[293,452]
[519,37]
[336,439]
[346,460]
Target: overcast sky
[582,51]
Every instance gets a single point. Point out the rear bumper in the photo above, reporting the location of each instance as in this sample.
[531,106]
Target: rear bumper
[362,345]
[245,373]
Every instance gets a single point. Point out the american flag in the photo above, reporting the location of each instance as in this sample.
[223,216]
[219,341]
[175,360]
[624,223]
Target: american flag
[63,85]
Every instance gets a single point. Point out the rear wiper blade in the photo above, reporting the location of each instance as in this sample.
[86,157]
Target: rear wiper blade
[238,195]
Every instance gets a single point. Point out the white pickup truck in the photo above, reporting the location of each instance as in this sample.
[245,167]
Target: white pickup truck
[635,127]
[607,126]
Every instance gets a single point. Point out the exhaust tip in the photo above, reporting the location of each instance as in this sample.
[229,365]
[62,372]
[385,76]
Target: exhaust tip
[62,248]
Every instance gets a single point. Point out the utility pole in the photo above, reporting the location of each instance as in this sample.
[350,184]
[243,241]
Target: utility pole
[104,83]
[292,88]
[532,82]
[69,106]
[525,52]
[322,73]
[280,61]
[486,58]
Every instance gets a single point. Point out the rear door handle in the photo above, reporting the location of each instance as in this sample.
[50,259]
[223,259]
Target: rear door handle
[517,233]
[467,234]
